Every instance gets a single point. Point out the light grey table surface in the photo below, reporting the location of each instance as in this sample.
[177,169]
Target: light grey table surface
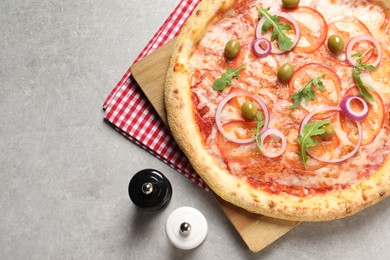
[65,172]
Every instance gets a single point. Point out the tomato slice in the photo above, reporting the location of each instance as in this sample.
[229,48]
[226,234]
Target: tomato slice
[313,29]
[371,125]
[258,71]
[382,73]
[323,147]
[332,83]
[245,159]
[242,153]
[240,129]
[331,149]
[348,28]
[291,160]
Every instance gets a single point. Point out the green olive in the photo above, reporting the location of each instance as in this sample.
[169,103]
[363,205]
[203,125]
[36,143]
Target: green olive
[329,132]
[249,110]
[232,48]
[290,3]
[285,72]
[335,44]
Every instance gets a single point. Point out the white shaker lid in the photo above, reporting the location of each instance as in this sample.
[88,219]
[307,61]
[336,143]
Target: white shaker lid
[186,228]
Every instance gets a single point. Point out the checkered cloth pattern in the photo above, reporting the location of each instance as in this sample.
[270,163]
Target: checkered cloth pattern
[131,114]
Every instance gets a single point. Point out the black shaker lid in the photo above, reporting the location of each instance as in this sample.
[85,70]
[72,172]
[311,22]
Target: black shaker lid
[150,189]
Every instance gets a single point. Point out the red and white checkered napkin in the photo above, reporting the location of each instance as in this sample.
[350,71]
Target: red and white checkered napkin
[129,111]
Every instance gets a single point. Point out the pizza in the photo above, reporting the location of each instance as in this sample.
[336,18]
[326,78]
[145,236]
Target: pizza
[283,107]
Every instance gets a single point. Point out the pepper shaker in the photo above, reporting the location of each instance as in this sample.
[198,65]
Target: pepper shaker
[149,189]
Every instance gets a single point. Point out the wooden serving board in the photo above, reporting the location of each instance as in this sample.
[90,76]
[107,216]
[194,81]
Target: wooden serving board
[257,231]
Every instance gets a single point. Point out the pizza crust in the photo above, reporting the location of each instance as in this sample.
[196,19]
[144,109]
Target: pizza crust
[181,120]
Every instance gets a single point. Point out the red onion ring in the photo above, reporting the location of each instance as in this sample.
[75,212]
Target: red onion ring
[353,41]
[287,17]
[325,109]
[258,50]
[277,133]
[222,104]
[347,110]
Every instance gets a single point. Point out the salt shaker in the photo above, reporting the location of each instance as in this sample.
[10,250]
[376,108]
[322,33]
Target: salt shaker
[186,228]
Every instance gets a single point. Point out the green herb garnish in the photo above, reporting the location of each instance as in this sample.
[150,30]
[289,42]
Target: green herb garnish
[305,141]
[259,124]
[307,91]
[356,75]
[284,42]
[227,77]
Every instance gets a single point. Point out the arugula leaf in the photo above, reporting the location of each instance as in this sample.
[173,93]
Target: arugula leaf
[259,124]
[307,91]
[356,75]
[284,42]
[305,141]
[227,77]
[360,85]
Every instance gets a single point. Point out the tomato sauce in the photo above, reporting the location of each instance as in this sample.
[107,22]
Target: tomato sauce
[311,58]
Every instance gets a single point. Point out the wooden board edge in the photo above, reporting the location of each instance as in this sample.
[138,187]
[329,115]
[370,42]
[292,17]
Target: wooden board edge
[271,228]
[159,58]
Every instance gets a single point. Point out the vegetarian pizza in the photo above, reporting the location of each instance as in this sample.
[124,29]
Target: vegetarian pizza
[283,107]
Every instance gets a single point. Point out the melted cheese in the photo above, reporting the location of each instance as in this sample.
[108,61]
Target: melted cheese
[259,76]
